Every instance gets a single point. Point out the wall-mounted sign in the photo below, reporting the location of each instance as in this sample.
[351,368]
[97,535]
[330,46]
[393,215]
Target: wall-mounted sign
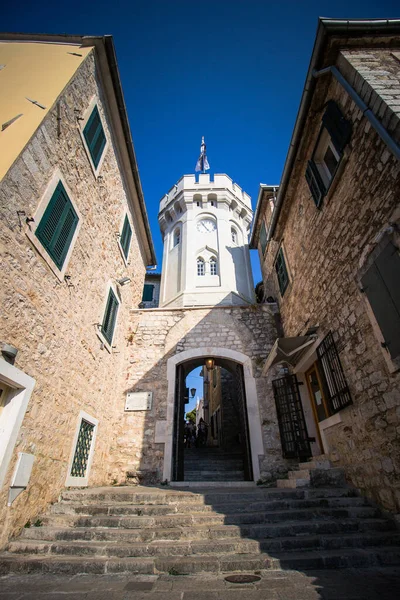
[139,401]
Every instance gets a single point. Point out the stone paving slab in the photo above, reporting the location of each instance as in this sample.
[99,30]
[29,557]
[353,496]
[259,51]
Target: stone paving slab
[344,584]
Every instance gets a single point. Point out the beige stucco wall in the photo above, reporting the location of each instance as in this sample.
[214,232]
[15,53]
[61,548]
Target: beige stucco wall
[36,71]
[53,323]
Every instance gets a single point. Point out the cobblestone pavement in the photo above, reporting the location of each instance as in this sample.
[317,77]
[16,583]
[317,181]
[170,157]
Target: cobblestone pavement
[346,584]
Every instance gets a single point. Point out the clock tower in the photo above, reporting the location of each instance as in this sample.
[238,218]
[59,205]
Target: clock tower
[205,227]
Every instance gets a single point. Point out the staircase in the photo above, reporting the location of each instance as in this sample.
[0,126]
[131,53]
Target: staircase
[212,464]
[161,530]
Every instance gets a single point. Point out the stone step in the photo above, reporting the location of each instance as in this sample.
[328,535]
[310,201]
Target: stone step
[205,532]
[316,464]
[227,475]
[166,496]
[193,547]
[204,563]
[209,518]
[70,508]
[214,466]
[301,474]
[293,483]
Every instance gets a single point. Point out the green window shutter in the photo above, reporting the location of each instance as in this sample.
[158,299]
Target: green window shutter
[281,272]
[315,183]
[126,236]
[95,136]
[147,292]
[337,126]
[57,226]
[110,317]
[263,238]
[381,285]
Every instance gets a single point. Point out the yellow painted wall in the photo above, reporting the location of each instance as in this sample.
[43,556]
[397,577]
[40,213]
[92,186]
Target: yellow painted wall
[37,71]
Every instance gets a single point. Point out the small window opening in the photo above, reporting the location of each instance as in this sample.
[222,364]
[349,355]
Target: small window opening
[213,266]
[200,267]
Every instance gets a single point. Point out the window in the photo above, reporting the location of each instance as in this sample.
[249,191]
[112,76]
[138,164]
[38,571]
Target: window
[148,292]
[200,267]
[213,266]
[381,286]
[333,137]
[281,272]
[234,236]
[57,225]
[95,137]
[82,450]
[110,317]
[338,393]
[263,238]
[126,235]
[177,237]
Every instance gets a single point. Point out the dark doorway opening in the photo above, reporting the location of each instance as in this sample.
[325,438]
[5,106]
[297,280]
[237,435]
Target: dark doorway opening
[211,442]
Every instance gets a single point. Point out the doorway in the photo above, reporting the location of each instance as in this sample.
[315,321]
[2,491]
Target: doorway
[211,442]
[317,396]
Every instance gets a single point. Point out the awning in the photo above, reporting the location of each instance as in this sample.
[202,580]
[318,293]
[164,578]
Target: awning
[288,350]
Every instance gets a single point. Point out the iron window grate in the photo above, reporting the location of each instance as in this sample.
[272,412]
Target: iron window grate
[82,450]
[338,392]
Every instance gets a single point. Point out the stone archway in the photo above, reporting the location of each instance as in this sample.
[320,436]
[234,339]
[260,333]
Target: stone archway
[256,442]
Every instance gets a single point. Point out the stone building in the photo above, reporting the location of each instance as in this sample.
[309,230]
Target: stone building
[328,242]
[207,315]
[151,290]
[75,243]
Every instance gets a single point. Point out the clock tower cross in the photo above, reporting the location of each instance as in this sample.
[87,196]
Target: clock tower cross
[205,227]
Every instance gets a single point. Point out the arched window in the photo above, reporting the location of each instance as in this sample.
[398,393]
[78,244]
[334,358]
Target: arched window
[213,266]
[234,235]
[177,236]
[200,267]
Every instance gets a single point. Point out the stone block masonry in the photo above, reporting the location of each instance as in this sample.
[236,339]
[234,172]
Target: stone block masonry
[326,248]
[53,323]
[157,335]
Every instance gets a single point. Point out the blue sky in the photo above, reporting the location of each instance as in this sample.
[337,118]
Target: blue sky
[231,70]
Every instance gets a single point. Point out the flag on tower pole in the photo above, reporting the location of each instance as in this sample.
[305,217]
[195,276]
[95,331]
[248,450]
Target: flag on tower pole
[202,163]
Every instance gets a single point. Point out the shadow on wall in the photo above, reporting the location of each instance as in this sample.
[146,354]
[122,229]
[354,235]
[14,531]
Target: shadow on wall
[154,337]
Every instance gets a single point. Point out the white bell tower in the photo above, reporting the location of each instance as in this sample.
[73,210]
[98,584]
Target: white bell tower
[205,227]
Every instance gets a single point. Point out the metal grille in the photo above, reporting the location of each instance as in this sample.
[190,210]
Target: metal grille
[336,385]
[292,426]
[82,449]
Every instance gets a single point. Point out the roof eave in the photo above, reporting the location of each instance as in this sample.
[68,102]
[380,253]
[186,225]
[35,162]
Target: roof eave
[326,27]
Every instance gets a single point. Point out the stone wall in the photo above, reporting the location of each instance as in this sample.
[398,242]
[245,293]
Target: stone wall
[324,250]
[157,335]
[53,323]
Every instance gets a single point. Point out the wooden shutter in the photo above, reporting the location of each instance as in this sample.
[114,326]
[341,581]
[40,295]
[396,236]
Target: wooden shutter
[292,426]
[110,317]
[381,284]
[57,226]
[95,136]
[263,238]
[126,236]
[337,391]
[315,183]
[147,292]
[337,126]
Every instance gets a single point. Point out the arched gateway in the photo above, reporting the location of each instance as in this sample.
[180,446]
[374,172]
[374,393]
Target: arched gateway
[251,425]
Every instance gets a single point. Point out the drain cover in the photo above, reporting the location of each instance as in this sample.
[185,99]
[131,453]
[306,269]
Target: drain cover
[242,578]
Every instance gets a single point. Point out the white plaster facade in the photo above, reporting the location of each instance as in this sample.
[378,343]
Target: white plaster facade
[206,221]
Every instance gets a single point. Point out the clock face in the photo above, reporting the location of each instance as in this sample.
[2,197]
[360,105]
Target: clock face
[206,226]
